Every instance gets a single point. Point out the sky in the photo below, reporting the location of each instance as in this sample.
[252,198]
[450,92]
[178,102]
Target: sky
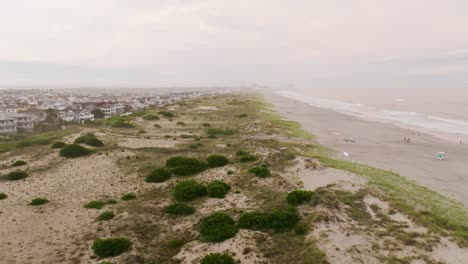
[310,43]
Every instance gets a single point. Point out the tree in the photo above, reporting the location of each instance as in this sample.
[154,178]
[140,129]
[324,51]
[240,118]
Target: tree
[98,113]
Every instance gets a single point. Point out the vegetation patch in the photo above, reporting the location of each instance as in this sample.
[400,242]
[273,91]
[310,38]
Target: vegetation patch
[179,209]
[19,163]
[128,197]
[58,145]
[217,189]
[157,126]
[106,216]
[180,123]
[3,196]
[95,205]
[220,132]
[261,172]
[298,197]
[16,175]
[188,190]
[121,124]
[166,114]
[111,247]
[245,157]
[217,227]
[74,151]
[185,166]
[215,161]
[217,258]
[38,201]
[278,219]
[151,117]
[158,175]
[89,139]
[253,221]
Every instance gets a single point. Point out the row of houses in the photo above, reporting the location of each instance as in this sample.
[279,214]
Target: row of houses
[11,122]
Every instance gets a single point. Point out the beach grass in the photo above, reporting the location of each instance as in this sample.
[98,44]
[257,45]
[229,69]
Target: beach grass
[45,138]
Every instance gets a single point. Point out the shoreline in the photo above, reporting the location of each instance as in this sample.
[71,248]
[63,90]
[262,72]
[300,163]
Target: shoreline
[380,144]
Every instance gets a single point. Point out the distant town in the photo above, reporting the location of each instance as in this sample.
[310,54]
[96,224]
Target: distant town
[27,111]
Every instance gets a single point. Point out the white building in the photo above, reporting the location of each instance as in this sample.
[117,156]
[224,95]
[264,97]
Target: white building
[11,123]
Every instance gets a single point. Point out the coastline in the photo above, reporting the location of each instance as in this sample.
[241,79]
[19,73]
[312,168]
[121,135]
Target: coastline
[380,144]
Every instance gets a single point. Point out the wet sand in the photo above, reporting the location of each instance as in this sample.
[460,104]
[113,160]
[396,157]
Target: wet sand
[381,145]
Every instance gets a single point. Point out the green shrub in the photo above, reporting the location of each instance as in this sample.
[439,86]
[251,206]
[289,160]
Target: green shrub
[230,172]
[281,220]
[156,126]
[90,140]
[95,205]
[253,221]
[19,163]
[158,175]
[242,115]
[260,172]
[206,125]
[128,197]
[58,145]
[3,196]
[298,197]
[184,166]
[217,258]
[220,132]
[74,151]
[141,131]
[111,247]
[121,124]
[217,161]
[241,153]
[188,190]
[245,156]
[300,230]
[16,175]
[217,227]
[38,201]
[217,189]
[179,209]
[175,243]
[180,123]
[151,117]
[166,114]
[106,216]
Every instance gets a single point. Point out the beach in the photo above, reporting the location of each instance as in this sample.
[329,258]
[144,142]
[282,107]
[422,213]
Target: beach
[382,145]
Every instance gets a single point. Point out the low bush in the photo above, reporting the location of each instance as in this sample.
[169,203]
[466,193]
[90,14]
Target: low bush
[141,131]
[298,197]
[217,189]
[16,175]
[111,247]
[281,220]
[151,117]
[95,205]
[106,216]
[158,175]
[175,243]
[221,132]
[206,125]
[217,258]
[166,114]
[217,227]
[253,221]
[121,124]
[128,197]
[260,172]
[188,190]
[74,151]
[245,156]
[242,115]
[185,166]
[301,230]
[38,201]
[180,123]
[215,161]
[3,196]
[157,126]
[89,139]
[19,163]
[179,209]
[58,145]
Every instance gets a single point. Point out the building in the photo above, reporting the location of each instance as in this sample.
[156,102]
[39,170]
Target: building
[39,115]
[7,124]
[11,123]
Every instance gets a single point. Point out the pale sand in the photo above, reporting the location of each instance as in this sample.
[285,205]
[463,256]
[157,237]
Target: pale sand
[381,145]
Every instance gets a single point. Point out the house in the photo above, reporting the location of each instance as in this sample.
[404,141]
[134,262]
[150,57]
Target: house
[7,124]
[78,116]
[84,116]
[11,123]
[39,115]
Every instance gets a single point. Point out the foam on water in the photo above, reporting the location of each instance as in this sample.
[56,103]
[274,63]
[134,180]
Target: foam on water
[412,119]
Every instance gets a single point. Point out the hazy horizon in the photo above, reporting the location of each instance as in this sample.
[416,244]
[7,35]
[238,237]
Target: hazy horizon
[324,44]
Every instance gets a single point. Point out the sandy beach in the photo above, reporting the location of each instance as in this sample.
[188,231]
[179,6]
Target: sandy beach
[381,145]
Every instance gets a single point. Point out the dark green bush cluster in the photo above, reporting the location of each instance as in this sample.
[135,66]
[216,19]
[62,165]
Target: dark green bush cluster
[58,145]
[188,190]
[38,201]
[220,132]
[111,247]
[74,151]
[175,243]
[245,156]
[158,175]
[151,117]
[3,196]
[98,204]
[242,115]
[19,163]
[217,189]
[260,172]
[184,166]
[298,197]
[89,139]
[166,114]
[106,216]
[278,220]
[121,124]
[128,197]
[217,258]
[217,227]
[157,126]
[16,175]
[215,161]
[180,123]
[179,209]
[206,125]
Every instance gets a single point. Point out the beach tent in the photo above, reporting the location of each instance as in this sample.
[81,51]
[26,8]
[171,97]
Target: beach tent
[441,156]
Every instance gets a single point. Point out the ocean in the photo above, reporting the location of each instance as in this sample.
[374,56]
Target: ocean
[442,113]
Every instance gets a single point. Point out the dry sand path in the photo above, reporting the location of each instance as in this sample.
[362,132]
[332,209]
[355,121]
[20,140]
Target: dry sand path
[381,145]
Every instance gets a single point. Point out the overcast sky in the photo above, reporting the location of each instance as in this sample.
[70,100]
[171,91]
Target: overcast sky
[310,43]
